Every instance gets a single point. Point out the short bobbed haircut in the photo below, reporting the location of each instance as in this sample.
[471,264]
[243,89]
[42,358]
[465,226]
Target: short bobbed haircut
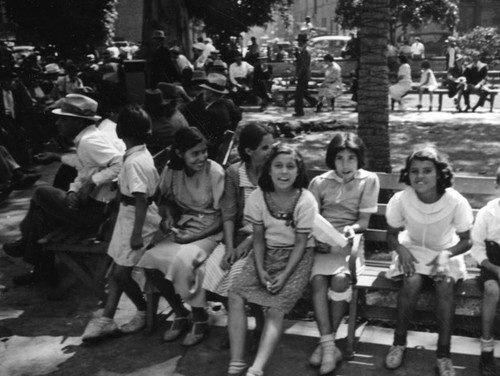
[328,58]
[425,64]
[134,123]
[345,141]
[443,169]
[265,181]
[250,137]
[184,139]
[403,59]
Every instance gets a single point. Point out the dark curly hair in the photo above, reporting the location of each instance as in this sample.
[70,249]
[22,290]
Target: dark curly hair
[265,181]
[250,137]
[184,139]
[134,122]
[443,169]
[345,141]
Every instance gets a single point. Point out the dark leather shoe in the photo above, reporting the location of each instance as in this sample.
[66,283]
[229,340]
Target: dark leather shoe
[24,181]
[34,277]
[15,249]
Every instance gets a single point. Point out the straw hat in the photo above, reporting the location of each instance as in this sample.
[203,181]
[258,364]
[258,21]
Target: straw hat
[216,82]
[77,105]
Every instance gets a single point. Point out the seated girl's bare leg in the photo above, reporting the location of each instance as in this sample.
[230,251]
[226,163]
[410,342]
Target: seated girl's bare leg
[339,285]
[237,326]
[320,303]
[445,308]
[407,300]
[167,290]
[491,296]
[271,334]
[115,292]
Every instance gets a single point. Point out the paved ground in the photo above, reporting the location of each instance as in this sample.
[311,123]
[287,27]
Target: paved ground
[46,338]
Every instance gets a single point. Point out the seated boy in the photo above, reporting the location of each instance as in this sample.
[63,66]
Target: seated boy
[486,251]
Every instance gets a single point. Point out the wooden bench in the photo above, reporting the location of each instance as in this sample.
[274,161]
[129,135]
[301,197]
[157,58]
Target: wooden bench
[84,254]
[372,277]
[440,92]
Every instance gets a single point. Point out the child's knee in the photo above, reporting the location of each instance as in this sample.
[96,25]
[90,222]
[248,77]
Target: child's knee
[340,288]
[491,290]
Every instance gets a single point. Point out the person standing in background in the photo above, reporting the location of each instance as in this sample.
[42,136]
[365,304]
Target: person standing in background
[303,73]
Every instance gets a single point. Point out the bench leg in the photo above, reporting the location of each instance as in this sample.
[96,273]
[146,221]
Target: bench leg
[440,101]
[492,101]
[351,329]
[285,101]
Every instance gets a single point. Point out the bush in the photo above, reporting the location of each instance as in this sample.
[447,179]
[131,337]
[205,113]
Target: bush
[485,40]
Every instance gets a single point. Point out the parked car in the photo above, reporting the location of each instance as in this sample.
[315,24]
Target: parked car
[327,44]
[20,52]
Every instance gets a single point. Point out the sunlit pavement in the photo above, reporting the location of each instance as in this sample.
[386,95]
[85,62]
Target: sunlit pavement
[46,336]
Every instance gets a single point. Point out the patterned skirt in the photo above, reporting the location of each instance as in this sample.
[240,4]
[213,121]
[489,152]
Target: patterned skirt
[248,285]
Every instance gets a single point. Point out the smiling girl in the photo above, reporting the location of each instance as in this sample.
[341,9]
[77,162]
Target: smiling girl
[429,227]
[282,212]
[347,196]
[191,187]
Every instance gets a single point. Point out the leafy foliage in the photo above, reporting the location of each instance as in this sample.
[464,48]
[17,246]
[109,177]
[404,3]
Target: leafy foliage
[405,12]
[70,25]
[231,17]
[485,40]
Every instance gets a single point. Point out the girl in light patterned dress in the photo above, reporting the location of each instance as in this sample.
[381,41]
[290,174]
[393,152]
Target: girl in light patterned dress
[347,196]
[136,224]
[191,186]
[282,212]
[227,260]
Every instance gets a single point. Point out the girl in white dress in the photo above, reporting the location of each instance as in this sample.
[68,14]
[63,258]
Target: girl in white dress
[331,87]
[347,196]
[429,227]
[427,82]
[136,224]
[403,86]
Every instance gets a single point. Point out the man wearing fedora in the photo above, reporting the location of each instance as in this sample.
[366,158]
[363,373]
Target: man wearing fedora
[303,74]
[212,113]
[160,67]
[84,205]
[14,102]
[166,119]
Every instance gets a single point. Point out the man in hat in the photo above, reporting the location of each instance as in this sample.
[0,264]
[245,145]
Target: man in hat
[166,119]
[212,113]
[14,104]
[417,49]
[160,67]
[240,76]
[84,205]
[303,74]
[450,52]
[182,64]
[475,75]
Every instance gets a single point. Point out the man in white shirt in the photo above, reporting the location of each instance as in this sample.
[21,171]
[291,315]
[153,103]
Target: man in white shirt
[417,49]
[240,76]
[86,202]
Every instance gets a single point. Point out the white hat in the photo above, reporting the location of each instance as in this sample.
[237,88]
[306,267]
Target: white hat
[52,68]
[77,105]
[216,82]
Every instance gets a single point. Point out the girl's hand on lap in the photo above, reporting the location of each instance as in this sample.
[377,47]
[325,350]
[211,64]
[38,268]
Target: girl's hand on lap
[264,278]
[227,259]
[182,237]
[349,232]
[407,262]
[440,266]
[243,249]
[277,284]
[322,247]
[136,242]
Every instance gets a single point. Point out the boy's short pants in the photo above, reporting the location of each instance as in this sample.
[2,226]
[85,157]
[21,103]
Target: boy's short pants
[493,253]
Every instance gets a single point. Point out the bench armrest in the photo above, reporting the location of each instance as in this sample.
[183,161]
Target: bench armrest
[355,242]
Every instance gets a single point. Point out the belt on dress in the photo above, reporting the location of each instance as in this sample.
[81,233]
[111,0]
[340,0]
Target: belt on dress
[129,200]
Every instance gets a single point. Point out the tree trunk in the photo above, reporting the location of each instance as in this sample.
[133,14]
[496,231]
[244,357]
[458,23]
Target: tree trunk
[373,103]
